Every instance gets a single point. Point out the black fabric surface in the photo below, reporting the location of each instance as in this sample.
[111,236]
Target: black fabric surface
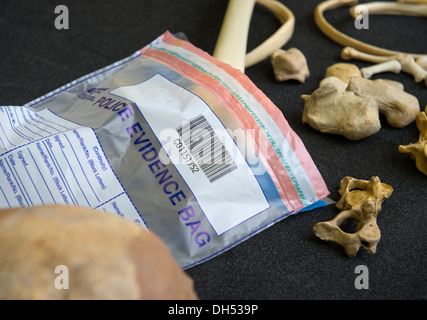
[286,261]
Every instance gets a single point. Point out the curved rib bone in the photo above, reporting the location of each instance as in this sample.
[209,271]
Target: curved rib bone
[343,39]
[279,38]
[392,8]
[232,40]
[413,1]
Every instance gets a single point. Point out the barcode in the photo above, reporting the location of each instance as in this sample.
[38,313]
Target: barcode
[206,148]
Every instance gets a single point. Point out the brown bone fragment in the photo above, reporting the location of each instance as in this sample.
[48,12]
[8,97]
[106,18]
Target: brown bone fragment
[331,109]
[399,107]
[418,150]
[360,200]
[289,64]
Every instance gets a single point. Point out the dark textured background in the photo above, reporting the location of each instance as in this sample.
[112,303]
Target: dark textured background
[285,261]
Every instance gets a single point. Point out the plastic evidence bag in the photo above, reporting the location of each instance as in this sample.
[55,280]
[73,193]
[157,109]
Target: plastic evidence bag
[169,138]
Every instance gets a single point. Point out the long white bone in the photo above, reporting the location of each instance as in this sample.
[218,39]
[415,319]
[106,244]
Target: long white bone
[349,53]
[232,40]
[410,66]
[388,66]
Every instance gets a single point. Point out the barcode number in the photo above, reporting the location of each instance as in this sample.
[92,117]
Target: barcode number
[206,148]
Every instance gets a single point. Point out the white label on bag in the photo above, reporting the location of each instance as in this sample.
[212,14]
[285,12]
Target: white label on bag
[201,149]
[45,159]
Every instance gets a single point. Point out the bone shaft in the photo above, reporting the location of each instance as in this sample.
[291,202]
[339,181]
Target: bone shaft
[410,66]
[388,66]
[414,1]
[349,53]
[390,8]
[232,40]
[422,62]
